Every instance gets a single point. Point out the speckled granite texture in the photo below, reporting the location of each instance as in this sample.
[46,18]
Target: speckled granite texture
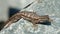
[50,7]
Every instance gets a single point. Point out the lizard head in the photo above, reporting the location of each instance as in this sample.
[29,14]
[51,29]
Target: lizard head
[44,20]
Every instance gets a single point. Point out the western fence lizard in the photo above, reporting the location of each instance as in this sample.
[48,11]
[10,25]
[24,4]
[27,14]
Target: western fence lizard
[30,16]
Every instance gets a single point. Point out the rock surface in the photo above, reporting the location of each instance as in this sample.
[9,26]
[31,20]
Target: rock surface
[49,7]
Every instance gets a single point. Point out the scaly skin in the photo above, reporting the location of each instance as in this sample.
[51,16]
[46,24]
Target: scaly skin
[30,16]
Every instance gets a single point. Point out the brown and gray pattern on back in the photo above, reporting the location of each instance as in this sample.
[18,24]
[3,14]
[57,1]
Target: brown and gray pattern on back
[30,16]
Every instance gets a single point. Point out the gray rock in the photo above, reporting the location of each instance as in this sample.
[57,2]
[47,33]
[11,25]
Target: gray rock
[49,7]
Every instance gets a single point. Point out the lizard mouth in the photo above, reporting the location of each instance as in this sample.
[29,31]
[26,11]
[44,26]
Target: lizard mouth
[44,22]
